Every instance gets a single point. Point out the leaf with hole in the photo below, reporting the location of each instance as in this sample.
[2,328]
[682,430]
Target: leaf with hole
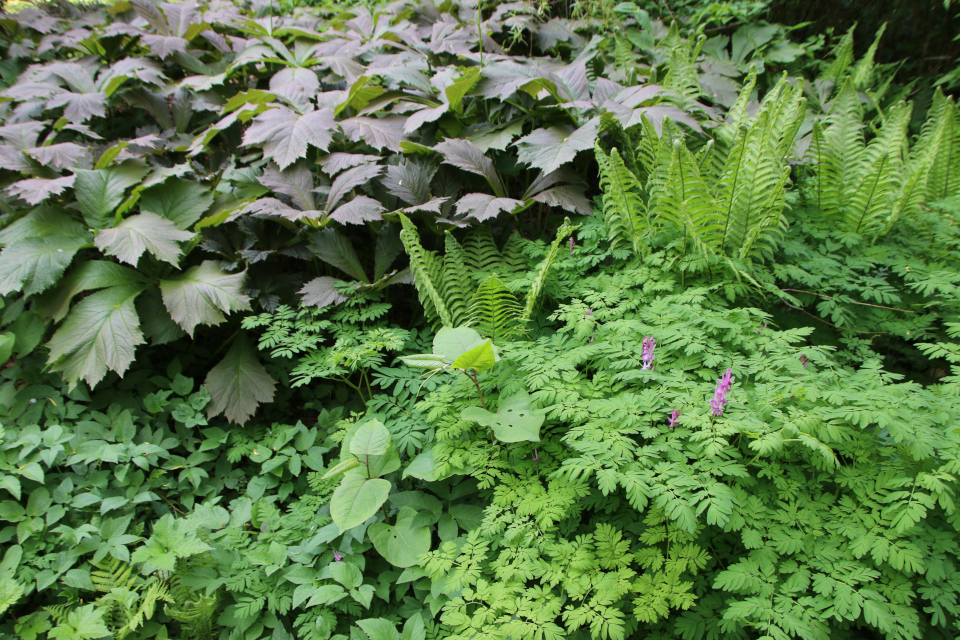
[401,544]
[515,419]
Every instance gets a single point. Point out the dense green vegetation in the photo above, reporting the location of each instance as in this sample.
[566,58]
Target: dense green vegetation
[511,321]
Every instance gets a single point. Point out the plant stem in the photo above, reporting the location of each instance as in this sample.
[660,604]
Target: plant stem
[476,383]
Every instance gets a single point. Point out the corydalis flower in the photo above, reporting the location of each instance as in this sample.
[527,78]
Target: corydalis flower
[572,244]
[337,557]
[536,458]
[649,344]
[720,393]
[674,416]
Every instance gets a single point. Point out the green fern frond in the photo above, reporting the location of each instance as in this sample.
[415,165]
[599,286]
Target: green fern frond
[481,255]
[59,612]
[513,260]
[842,58]
[879,179]
[196,613]
[684,201]
[111,575]
[623,208]
[750,191]
[940,138]
[456,286]
[862,72]
[647,151]
[427,271]
[681,84]
[540,279]
[839,150]
[495,311]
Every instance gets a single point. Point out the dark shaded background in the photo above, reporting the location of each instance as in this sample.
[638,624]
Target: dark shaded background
[920,32]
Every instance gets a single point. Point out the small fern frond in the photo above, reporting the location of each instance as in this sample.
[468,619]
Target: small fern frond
[111,575]
[623,210]
[196,613]
[543,270]
[681,84]
[481,255]
[842,150]
[683,201]
[513,260]
[842,58]
[495,311]
[427,271]
[862,72]
[456,284]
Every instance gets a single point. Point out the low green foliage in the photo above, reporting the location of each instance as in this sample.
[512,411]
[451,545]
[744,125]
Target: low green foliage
[719,401]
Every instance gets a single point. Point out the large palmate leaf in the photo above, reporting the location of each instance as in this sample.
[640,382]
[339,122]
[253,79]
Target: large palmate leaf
[547,149]
[401,544]
[35,264]
[335,249]
[321,292]
[203,294]
[359,210]
[483,206]
[349,179]
[296,84]
[286,134]
[42,222]
[180,201]
[61,156]
[239,383]
[85,276]
[100,191]
[295,182]
[36,190]
[357,499]
[379,133]
[100,334]
[144,232]
[467,156]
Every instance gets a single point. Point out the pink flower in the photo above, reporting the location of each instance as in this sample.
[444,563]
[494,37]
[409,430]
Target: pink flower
[720,393]
[649,344]
[571,244]
[337,557]
[674,416]
[536,458]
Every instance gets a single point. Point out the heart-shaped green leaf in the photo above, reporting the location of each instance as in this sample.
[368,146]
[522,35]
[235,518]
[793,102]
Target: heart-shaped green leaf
[371,439]
[401,544]
[451,342]
[356,499]
[480,358]
[514,421]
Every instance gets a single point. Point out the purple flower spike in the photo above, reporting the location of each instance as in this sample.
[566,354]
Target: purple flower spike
[649,344]
[674,416]
[337,557]
[536,458]
[804,360]
[572,245]
[720,393]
